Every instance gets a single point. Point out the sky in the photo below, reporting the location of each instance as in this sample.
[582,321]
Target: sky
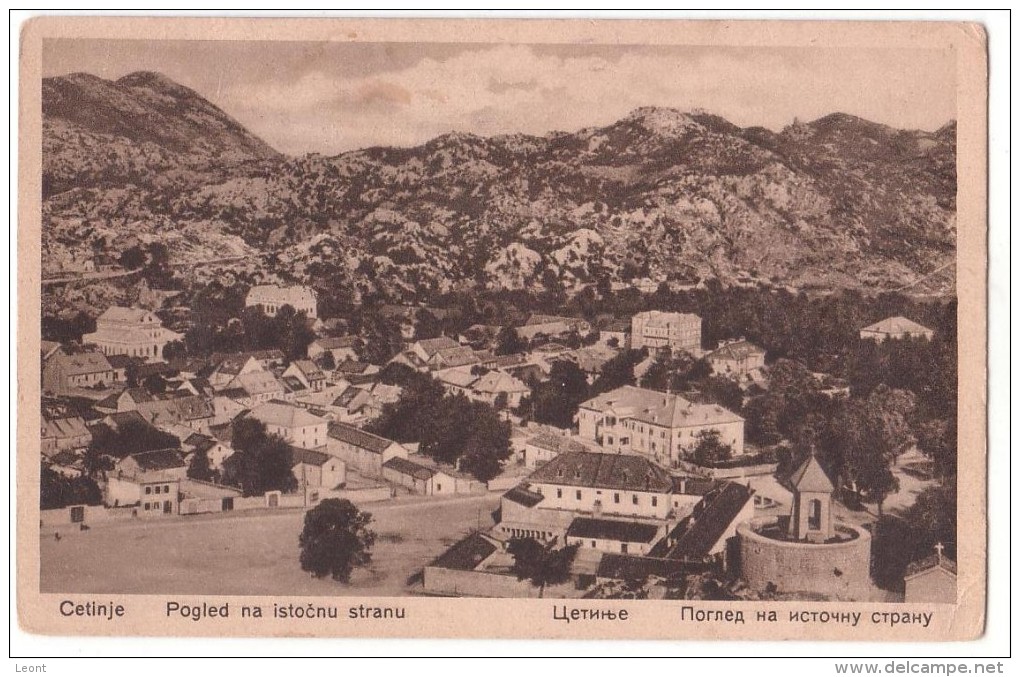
[330,97]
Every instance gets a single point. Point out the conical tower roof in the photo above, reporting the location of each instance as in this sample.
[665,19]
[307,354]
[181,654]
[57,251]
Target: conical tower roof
[811,477]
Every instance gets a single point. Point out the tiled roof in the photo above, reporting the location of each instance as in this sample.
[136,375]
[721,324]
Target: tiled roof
[359,438]
[658,318]
[407,467]
[285,415]
[658,408]
[613,530]
[811,477]
[308,456]
[121,314]
[709,524]
[634,567]
[499,382]
[82,363]
[158,459]
[309,369]
[336,342]
[605,471]
[935,561]
[258,383]
[737,350]
[522,496]
[897,325]
[455,356]
[433,346]
[554,442]
[118,361]
[466,554]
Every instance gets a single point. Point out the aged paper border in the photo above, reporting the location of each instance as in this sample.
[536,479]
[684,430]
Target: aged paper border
[531,618]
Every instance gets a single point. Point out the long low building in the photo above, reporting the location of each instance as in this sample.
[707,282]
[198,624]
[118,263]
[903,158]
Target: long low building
[360,450]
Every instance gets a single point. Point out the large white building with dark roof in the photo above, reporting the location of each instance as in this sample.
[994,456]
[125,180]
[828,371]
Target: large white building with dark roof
[271,298]
[131,331]
[661,426]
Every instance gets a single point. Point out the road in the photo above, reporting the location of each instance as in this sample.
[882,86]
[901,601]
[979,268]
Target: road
[252,552]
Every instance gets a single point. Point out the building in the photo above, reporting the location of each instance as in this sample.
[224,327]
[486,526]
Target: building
[552,326]
[736,358]
[254,388]
[298,426]
[427,478]
[608,535]
[546,446]
[341,348]
[656,329]
[895,328]
[309,375]
[361,450]
[491,387]
[616,334]
[270,298]
[317,469]
[230,366]
[931,580]
[131,331]
[604,488]
[662,426]
[810,551]
[64,433]
[64,374]
[151,480]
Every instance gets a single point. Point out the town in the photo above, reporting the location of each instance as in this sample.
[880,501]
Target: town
[673,439]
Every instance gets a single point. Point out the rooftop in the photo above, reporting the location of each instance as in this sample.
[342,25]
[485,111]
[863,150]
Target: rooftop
[285,415]
[466,554]
[523,496]
[350,434]
[697,534]
[897,325]
[935,561]
[82,363]
[605,471]
[408,467]
[737,350]
[613,530]
[658,408]
[308,456]
[158,459]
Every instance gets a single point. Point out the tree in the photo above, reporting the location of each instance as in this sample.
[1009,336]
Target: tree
[175,350]
[508,342]
[487,446]
[261,462]
[200,469]
[57,491]
[711,450]
[335,539]
[327,361]
[617,371]
[132,258]
[540,565]
[556,401]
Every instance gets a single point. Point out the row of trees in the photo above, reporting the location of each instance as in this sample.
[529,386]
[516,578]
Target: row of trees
[450,428]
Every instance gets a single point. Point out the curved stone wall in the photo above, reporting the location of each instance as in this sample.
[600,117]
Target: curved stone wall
[836,570]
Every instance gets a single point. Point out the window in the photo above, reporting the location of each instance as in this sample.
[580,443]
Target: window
[148,490]
[609,441]
[166,488]
[593,544]
[634,499]
[655,501]
[616,498]
[157,490]
[146,506]
[559,493]
[439,487]
[815,514]
[579,494]
[623,548]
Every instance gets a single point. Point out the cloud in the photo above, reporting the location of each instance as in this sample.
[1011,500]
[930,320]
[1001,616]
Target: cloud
[511,88]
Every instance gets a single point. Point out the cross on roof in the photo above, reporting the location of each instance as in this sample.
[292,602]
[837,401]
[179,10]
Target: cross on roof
[938,549]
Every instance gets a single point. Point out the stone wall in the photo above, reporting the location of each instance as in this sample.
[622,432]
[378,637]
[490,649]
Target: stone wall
[836,570]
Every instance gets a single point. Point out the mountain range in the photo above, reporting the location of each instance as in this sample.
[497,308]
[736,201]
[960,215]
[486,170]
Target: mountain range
[832,203]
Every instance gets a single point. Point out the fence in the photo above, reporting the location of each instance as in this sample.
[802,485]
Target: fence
[439,581]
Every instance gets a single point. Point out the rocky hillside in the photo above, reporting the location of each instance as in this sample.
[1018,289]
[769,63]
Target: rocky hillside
[102,132]
[837,202]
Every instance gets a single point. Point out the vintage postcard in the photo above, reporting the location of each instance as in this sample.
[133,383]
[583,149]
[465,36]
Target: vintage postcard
[502,328]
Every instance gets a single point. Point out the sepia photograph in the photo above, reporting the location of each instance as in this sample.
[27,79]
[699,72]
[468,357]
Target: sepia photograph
[360,320]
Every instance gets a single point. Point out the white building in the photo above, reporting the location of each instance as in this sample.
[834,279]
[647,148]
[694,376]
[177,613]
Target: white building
[271,298]
[656,329]
[131,331]
[895,328]
[298,426]
[736,358]
[662,426]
